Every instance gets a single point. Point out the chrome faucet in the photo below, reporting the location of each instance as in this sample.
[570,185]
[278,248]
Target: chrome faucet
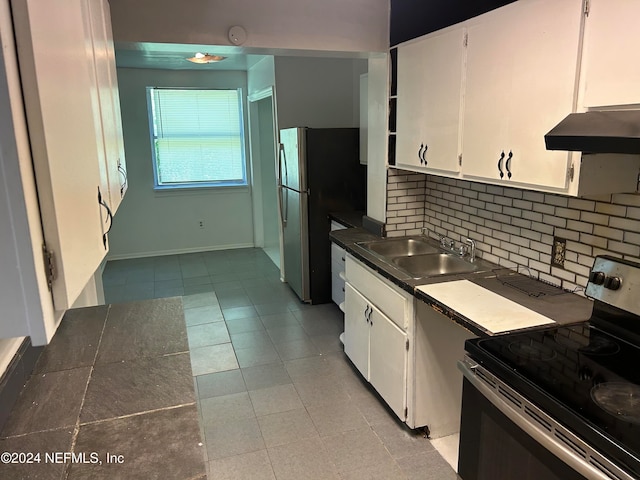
[471,242]
[446,242]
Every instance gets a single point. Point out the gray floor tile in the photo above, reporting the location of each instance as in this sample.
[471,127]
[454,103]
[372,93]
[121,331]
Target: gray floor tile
[306,459]
[263,376]
[279,320]
[207,334]
[168,292]
[134,386]
[383,468]
[193,281]
[195,289]
[296,349]
[232,301]
[323,390]
[277,399]
[271,308]
[226,409]
[36,443]
[199,300]
[400,441]
[333,418]
[167,284]
[429,466]
[355,449]
[287,333]
[161,444]
[76,341]
[221,383]
[286,427]
[257,355]
[233,438]
[239,312]
[48,401]
[138,291]
[143,329]
[243,325]
[212,359]
[193,270]
[205,314]
[304,368]
[327,343]
[251,339]
[253,465]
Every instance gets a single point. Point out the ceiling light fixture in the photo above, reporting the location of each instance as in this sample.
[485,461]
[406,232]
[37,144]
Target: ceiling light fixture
[205,58]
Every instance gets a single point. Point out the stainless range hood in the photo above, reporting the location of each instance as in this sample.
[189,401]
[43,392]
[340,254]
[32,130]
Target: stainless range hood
[613,131]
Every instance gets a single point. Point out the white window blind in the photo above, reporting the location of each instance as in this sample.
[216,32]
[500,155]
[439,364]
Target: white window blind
[197,137]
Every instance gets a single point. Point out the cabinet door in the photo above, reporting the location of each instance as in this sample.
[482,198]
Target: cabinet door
[108,101]
[521,77]
[612,40]
[388,361]
[55,58]
[429,98]
[356,329]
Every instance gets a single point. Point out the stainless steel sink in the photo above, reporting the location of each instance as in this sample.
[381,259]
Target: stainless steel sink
[434,264]
[400,247]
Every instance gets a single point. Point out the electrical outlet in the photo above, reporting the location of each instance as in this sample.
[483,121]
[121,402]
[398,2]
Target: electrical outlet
[201,223]
[558,252]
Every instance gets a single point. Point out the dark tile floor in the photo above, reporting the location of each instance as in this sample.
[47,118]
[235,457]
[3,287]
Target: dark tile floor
[275,395]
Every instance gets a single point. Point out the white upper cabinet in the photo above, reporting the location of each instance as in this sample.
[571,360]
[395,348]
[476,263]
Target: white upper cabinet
[61,53]
[430,74]
[520,82]
[611,71]
[109,118]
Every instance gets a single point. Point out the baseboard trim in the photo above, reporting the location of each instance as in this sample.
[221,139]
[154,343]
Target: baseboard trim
[15,376]
[179,251]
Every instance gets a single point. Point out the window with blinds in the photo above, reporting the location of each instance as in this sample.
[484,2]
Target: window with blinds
[197,137]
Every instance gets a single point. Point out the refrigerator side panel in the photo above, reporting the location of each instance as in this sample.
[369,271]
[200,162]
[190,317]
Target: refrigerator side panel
[295,237]
[293,163]
[337,183]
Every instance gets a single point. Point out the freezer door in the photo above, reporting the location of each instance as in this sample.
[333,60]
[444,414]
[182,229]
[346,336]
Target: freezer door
[296,242]
[292,170]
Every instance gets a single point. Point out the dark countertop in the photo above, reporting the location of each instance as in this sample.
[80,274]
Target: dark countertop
[348,219]
[561,306]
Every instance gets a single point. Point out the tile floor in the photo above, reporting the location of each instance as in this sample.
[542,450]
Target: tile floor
[276,396]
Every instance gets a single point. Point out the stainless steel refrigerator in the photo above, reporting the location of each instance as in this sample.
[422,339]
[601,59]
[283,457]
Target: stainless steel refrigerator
[319,172]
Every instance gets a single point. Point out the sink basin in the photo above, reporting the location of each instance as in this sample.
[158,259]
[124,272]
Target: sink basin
[434,264]
[400,247]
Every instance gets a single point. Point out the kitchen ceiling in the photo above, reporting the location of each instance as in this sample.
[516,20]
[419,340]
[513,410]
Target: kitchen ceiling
[172,56]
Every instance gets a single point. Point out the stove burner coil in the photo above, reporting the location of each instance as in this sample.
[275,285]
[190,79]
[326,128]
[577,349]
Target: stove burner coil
[600,346]
[619,399]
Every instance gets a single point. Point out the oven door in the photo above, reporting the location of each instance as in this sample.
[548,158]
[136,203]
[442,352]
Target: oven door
[503,436]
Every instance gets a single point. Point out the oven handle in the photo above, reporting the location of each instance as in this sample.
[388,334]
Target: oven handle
[468,368]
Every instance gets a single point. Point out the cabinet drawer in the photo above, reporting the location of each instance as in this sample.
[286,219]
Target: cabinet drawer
[389,299]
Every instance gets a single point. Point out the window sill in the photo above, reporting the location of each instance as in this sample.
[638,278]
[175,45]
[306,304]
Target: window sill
[201,191]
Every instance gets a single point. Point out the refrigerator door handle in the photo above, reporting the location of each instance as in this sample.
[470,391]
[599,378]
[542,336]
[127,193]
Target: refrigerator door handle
[279,168]
[283,206]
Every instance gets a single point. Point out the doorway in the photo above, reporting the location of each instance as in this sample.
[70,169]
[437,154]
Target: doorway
[264,165]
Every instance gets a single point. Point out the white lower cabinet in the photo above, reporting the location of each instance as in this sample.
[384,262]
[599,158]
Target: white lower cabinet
[405,349]
[377,347]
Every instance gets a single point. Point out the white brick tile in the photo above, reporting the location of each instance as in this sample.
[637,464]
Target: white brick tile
[625,224]
[533,216]
[485,197]
[611,233]
[563,274]
[556,200]
[632,237]
[399,233]
[469,193]
[523,204]
[513,193]
[597,218]
[580,204]
[530,254]
[568,213]
[577,269]
[630,199]
[555,221]
[540,247]
[523,242]
[495,190]
[492,207]
[510,229]
[625,248]
[633,212]
[518,259]
[477,204]
[513,212]
[533,196]
[542,228]
[530,234]
[504,201]
[568,234]
[539,266]
[522,223]
[509,247]
[479,187]
[580,226]
[593,241]
[611,209]
[542,208]
[586,260]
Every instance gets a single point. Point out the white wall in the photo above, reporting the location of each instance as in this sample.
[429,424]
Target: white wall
[329,25]
[156,223]
[318,92]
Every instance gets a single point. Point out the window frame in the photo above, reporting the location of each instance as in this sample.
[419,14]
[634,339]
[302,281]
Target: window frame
[197,185]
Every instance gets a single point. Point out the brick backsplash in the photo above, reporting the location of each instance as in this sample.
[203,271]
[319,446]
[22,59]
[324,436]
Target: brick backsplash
[515,228]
